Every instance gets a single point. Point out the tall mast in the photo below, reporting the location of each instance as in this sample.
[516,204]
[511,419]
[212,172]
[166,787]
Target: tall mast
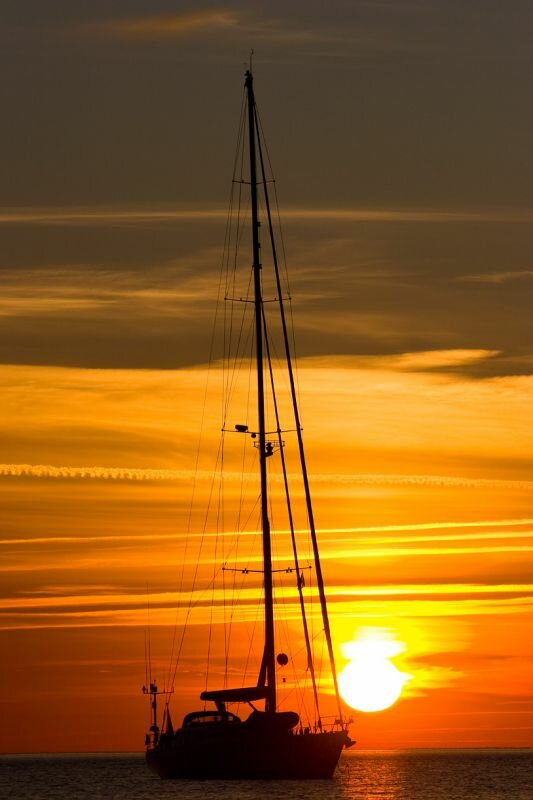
[268,669]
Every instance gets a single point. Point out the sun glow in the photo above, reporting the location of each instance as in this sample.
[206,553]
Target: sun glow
[370,681]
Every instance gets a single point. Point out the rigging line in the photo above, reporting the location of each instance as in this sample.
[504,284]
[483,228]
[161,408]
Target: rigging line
[256,503]
[193,604]
[303,704]
[235,362]
[229,217]
[245,341]
[303,464]
[292,326]
[209,585]
[239,161]
[257,612]
[298,689]
[276,202]
[226,635]
[197,461]
[149,631]
[240,506]
[312,605]
[231,282]
[253,544]
[289,507]
[230,273]
[251,637]
[146,681]
[227,239]
[227,626]
[322,659]
[282,623]
[301,649]
[211,607]
[226,329]
[283,257]
[300,692]
[279,362]
[238,229]
[217,540]
[299,581]
[232,372]
[234,599]
[197,564]
[234,365]
[210,361]
[203,592]
[221,540]
[240,133]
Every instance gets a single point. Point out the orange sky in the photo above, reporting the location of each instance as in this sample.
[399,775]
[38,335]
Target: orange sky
[430,543]
[400,137]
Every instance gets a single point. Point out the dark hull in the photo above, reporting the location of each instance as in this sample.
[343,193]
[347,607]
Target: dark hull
[239,754]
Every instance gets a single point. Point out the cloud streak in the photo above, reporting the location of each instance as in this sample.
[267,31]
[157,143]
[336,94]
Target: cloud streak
[174,290]
[160,27]
[497,277]
[254,594]
[137,474]
[128,614]
[117,216]
[401,539]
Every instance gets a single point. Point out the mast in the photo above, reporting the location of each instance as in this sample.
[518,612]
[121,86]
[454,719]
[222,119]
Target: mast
[268,667]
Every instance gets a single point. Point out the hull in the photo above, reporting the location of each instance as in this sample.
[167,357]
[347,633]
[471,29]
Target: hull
[239,754]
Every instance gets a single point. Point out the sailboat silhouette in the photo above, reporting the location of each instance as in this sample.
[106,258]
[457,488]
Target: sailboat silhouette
[269,743]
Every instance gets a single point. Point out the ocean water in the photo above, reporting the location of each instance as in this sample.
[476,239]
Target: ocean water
[361,775]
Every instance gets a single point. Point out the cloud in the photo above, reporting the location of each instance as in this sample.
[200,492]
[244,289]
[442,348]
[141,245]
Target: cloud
[106,216]
[135,474]
[408,215]
[354,532]
[174,290]
[165,26]
[100,473]
[424,526]
[497,277]
[116,599]
[279,31]
[127,611]
[120,216]
[429,359]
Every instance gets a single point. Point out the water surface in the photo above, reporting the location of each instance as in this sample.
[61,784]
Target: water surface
[361,775]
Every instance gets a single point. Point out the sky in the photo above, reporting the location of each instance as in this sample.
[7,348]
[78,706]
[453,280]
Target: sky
[400,136]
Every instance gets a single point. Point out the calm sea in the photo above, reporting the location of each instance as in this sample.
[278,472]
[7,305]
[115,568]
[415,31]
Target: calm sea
[363,775]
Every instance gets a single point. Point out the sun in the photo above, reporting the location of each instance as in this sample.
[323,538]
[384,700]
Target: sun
[371,682]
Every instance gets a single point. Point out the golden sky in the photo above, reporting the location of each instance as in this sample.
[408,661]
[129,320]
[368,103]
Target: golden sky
[400,137]
[424,512]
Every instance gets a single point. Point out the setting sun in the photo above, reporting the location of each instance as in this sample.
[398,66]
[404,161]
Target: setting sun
[370,681]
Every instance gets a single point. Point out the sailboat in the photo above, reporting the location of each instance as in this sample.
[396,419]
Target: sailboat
[269,743]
